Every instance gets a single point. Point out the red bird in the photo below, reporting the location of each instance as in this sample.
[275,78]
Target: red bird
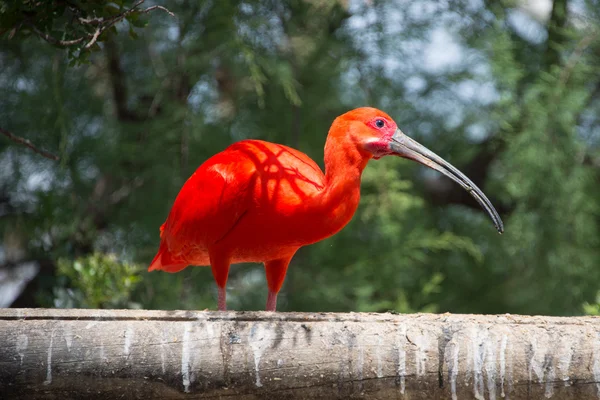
[260,202]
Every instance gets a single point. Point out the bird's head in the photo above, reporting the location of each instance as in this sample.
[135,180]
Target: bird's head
[377,135]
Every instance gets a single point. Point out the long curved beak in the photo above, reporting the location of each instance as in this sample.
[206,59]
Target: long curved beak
[406,147]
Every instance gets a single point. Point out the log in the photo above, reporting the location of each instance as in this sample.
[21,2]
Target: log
[110,354]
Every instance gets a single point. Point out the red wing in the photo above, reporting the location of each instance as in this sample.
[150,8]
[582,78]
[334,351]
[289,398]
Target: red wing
[248,175]
[208,206]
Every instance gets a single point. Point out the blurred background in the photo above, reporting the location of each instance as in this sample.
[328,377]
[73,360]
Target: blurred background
[508,91]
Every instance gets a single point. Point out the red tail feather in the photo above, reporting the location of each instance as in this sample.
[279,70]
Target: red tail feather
[164,260]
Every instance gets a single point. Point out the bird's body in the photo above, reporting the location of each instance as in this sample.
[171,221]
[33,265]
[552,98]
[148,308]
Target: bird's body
[254,201]
[260,202]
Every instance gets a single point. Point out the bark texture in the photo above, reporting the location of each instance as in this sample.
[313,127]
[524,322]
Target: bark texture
[112,354]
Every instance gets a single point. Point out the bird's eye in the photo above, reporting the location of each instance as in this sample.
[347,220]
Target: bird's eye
[379,123]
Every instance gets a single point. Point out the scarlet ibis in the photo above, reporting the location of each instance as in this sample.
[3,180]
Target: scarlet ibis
[258,201]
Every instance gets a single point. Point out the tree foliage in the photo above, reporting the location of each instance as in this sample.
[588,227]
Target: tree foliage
[78,25]
[509,95]
[96,281]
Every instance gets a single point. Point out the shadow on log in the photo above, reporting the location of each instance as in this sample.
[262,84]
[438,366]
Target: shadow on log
[122,354]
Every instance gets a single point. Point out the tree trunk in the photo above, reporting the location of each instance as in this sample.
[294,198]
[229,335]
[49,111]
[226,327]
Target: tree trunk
[111,354]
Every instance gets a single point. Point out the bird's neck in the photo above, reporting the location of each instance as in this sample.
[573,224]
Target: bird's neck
[344,164]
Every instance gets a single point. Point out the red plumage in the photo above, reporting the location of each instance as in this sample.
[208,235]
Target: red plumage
[260,202]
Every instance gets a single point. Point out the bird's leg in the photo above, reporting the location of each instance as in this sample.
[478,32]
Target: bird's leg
[222,298]
[271,301]
[220,270]
[275,270]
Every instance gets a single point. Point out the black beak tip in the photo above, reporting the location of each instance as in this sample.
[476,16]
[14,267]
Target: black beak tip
[500,228]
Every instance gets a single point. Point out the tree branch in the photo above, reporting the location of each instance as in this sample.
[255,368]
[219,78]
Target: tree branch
[105,24]
[94,38]
[52,40]
[147,10]
[27,143]
[101,23]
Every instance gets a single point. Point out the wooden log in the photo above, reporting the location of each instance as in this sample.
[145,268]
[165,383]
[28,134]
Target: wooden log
[110,354]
